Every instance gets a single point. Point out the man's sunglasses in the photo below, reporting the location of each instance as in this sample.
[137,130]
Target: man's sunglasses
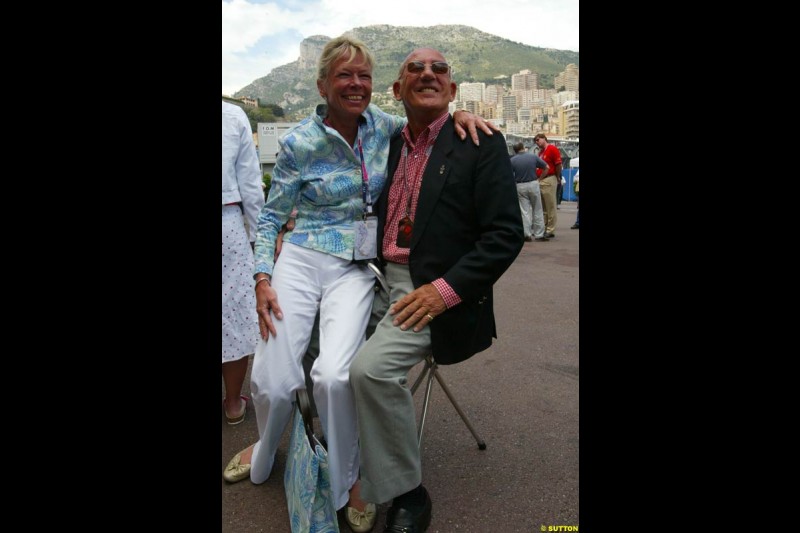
[438,67]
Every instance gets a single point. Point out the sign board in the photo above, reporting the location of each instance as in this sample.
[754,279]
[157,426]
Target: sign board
[268,134]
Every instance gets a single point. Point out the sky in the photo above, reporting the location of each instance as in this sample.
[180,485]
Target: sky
[259,35]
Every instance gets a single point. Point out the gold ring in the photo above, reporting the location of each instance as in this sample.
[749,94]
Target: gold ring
[430,318]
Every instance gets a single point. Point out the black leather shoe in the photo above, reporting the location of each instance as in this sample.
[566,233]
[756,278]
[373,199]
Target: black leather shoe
[574,226]
[542,239]
[528,239]
[549,235]
[409,518]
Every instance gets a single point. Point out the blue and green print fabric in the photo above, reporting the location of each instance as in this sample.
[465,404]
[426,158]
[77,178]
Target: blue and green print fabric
[308,484]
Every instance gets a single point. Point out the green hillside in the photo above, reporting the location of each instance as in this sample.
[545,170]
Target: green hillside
[475,56]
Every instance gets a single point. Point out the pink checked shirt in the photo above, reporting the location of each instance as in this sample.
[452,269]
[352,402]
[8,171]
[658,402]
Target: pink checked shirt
[408,180]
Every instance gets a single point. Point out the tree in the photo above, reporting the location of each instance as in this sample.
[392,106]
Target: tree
[258,114]
[276,109]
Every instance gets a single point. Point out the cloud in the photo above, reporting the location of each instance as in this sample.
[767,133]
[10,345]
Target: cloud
[258,35]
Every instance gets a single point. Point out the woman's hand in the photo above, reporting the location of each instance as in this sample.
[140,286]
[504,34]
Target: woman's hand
[465,119]
[266,303]
[289,226]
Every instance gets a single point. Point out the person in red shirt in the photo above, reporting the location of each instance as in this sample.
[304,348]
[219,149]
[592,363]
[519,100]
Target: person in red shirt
[548,183]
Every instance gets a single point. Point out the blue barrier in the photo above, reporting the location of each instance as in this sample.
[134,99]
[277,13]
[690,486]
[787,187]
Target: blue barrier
[569,192]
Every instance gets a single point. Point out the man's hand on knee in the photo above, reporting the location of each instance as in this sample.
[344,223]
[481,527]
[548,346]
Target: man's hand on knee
[418,308]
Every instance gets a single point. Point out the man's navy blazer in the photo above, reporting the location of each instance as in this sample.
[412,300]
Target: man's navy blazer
[467,230]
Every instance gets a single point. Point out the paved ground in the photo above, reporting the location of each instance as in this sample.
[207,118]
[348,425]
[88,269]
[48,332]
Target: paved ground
[521,395]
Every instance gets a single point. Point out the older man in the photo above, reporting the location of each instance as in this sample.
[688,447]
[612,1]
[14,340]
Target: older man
[449,226]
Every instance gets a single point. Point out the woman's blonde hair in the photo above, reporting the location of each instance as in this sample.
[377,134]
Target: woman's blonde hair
[339,47]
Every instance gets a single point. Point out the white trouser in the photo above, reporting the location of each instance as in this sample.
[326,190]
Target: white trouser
[343,291]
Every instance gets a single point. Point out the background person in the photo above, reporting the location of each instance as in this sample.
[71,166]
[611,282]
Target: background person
[525,164]
[242,197]
[575,184]
[459,203]
[548,182]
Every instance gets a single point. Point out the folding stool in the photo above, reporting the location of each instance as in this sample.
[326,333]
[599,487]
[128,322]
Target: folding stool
[431,369]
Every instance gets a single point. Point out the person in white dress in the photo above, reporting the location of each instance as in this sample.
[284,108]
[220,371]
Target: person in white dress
[242,199]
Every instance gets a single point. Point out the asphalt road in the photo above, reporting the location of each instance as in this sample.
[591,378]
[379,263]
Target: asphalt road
[521,395]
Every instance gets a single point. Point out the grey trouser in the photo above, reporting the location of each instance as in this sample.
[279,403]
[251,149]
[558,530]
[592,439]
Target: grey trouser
[390,456]
[530,203]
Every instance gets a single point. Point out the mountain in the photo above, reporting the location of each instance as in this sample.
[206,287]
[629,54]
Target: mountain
[475,56]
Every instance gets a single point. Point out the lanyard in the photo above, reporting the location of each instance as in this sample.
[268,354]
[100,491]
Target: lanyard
[365,194]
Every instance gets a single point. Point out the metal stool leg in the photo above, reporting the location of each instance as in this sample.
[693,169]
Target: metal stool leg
[421,376]
[431,370]
[425,408]
[478,439]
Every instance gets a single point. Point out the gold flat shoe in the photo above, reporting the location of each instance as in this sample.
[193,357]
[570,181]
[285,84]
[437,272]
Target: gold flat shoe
[236,471]
[361,521]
